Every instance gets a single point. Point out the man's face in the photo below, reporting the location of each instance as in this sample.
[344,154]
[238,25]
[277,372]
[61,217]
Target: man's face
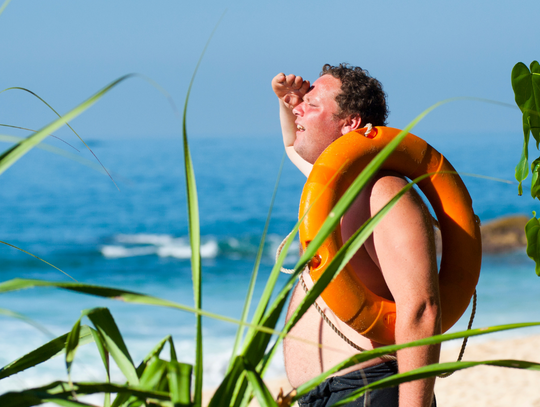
[316,121]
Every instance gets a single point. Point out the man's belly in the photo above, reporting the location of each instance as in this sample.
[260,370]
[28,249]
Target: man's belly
[318,347]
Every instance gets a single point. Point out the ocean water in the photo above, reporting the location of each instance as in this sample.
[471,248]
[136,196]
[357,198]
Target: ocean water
[137,239]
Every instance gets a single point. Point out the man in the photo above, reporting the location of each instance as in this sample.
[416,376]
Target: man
[397,262]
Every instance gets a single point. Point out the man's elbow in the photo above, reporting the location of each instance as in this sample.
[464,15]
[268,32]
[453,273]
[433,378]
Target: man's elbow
[425,315]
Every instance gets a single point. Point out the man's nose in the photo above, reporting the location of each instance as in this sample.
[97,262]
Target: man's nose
[298,110]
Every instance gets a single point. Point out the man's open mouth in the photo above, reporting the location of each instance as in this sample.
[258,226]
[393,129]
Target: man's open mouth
[300,128]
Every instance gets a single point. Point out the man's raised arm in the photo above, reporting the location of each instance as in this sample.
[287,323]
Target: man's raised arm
[290,89]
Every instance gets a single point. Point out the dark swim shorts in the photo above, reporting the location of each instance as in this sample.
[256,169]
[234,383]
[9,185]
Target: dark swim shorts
[338,387]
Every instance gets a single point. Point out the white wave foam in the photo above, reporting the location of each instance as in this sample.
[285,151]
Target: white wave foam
[115,252]
[181,250]
[145,238]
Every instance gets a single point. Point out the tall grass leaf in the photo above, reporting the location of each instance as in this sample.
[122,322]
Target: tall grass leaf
[67,124]
[45,352]
[107,328]
[434,370]
[385,350]
[104,354]
[263,395]
[172,350]
[72,343]
[179,376]
[33,131]
[10,156]
[62,391]
[4,5]
[155,352]
[226,389]
[153,374]
[36,257]
[58,151]
[120,295]
[29,321]
[194,234]
[249,295]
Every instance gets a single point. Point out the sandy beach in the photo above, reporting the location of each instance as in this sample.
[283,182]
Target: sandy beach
[483,385]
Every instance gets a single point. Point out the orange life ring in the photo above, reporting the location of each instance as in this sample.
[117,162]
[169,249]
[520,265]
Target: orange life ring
[337,167]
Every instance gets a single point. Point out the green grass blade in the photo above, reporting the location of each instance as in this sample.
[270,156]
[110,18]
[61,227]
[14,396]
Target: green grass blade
[153,374]
[226,389]
[72,343]
[29,321]
[48,351]
[263,395]
[385,350]
[10,156]
[172,349]
[113,341]
[62,391]
[33,131]
[67,124]
[121,295]
[179,376]
[36,257]
[154,353]
[434,370]
[56,150]
[194,234]
[4,5]
[104,354]
[249,295]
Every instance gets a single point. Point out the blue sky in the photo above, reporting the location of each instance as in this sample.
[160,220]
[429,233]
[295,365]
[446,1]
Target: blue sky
[422,51]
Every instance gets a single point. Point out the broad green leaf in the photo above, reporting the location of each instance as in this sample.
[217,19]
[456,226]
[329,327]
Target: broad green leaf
[526,86]
[120,295]
[435,370]
[264,397]
[113,341]
[522,169]
[535,186]
[48,351]
[29,321]
[179,376]
[532,230]
[385,350]
[153,353]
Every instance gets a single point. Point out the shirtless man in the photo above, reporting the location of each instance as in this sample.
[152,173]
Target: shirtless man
[397,262]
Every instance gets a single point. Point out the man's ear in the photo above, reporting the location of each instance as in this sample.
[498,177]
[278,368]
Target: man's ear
[351,123]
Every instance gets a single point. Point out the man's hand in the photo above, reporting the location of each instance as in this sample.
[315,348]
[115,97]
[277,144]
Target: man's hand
[290,89]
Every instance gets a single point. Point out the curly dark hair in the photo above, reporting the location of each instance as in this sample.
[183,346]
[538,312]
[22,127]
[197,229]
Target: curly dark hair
[360,94]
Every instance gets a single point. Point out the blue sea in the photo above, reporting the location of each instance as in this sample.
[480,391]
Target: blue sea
[137,238]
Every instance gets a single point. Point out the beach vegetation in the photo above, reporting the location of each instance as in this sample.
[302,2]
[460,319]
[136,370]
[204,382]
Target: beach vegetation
[165,381]
[526,86]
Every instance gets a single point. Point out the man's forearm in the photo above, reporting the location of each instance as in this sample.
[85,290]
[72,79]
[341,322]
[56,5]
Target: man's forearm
[427,323]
